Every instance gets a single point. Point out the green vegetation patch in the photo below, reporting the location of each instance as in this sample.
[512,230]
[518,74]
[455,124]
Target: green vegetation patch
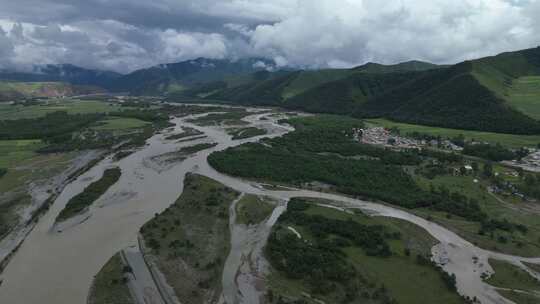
[196,148]
[524,95]
[322,154]
[186,132]
[117,123]
[228,118]
[511,276]
[500,224]
[193,232]
[520,297]
[91,193]
[246,132]
[510,140]
[50,125]
[22,111]
[110,284]
[253,209]
[352,258]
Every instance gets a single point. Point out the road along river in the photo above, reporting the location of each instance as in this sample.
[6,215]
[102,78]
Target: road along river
[52,267]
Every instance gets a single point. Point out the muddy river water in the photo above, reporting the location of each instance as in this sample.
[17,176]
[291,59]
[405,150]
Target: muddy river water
[54,267]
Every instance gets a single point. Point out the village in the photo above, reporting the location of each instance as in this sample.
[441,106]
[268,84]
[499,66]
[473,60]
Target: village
[385,137]
[505,174]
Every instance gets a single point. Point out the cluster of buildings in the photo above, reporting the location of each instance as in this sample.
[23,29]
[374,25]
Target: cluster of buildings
[530,162]
[384,137]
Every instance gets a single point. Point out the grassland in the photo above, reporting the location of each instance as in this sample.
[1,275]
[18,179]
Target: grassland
[120,124]
[524,95]
[310,79]
[495,207]
[252,209]
[519,297]
[23,163]
[510,276]
[194,233]
[404,279]
[109,286]
[510,140]
[19,111]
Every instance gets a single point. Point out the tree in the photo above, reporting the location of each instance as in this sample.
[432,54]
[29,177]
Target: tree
[488,170]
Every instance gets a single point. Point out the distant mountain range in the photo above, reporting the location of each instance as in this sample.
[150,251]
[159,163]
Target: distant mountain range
[63,73]
[499,93]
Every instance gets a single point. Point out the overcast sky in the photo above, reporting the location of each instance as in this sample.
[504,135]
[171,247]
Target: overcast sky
[124,35]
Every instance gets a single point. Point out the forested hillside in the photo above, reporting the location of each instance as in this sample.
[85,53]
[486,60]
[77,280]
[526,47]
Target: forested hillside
[498,93]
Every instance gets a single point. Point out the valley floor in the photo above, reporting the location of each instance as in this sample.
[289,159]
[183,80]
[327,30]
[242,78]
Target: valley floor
[211,237]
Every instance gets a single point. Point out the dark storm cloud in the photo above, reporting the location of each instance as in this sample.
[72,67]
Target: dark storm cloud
[127,34]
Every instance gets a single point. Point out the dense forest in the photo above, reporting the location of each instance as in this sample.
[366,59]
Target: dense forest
[490,152]
[51,125]
[356,177]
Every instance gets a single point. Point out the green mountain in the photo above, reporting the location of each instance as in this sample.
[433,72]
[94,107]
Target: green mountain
[499,93]
[408,66]
[289,88]
[177,77]
[478,95]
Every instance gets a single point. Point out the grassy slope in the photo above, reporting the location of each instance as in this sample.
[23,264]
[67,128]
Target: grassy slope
[524,95]
[310,79]
[193,232]
[109,286]
[415,284]
[252,209]
[510,276]
[343,96]
[510,140]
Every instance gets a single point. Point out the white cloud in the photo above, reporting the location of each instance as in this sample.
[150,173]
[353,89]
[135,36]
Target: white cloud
[326,32]
[128,34]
